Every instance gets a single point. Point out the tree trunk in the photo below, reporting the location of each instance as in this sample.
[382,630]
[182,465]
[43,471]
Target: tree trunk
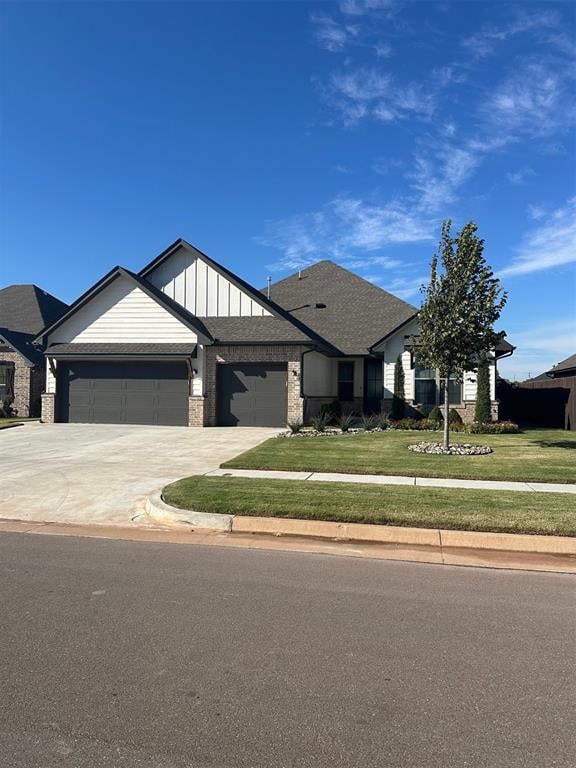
[446,413]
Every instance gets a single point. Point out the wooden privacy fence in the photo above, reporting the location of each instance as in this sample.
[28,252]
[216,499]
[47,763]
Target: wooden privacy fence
[547,403]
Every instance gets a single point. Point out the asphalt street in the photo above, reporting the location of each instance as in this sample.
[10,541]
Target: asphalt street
[149,655]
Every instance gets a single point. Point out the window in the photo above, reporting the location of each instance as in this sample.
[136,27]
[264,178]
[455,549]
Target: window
[3,381]
[428,390]
[345,381]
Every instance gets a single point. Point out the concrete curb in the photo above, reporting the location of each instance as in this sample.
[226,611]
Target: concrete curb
[164,514]
[435,538]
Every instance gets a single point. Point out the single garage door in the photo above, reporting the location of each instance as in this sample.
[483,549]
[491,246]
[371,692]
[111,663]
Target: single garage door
[252,395]
[123,393]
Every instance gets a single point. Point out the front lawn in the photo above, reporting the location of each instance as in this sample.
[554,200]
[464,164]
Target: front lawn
[467,510]
[7,423]
[536,455]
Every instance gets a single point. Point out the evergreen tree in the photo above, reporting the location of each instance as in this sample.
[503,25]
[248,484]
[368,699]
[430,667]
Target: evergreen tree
[398,402]
[483,411]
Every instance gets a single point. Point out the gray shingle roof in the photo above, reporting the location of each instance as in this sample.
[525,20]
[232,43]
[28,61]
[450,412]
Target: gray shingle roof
[564,367]
[28,309]
[254,330]
[124,350]
[21,343]
[357,313]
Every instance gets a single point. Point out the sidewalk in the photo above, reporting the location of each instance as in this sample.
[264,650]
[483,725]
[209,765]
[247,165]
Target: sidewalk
[431,482]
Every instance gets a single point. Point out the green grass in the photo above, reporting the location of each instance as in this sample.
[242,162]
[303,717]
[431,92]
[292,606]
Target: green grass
[467,510]
[7,423]
[536,455]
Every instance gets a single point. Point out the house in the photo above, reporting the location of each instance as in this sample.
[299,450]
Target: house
[563,369]
[186,342]
[24,311]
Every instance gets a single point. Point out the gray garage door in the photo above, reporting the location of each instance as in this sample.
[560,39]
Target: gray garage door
[123,393]
[252,395]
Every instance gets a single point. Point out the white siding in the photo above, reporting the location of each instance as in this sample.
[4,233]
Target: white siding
[395,346]
[122,312]
[198,366]
[50,380]
[203,291]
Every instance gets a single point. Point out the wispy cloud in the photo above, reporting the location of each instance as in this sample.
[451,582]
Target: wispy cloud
[539,348]
[483,43]
[404,287]
[536,100]
[553,244]
[363,7]
[437,176]
[519,177]
[371,92]
[330,34]
[348,230]
[536,212]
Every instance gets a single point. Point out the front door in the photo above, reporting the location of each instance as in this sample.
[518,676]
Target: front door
[373,385]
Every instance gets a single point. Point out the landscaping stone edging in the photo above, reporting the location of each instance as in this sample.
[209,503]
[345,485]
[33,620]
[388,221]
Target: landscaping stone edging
[163,513]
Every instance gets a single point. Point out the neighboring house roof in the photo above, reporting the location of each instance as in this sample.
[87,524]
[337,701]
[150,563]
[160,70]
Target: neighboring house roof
[357,314]
[254,330]
[564,368]
[123,349]
[175,309]
[27,309]
[306,333]
[21,343]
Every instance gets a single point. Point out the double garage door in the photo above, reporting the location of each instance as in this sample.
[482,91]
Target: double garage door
[247,394]
[123,393]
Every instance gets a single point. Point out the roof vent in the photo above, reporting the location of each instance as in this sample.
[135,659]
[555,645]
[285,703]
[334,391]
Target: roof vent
[320,305]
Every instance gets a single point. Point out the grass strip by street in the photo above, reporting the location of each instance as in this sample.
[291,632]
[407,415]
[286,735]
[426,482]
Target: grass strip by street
[447,508]
[536,455]
[7,423]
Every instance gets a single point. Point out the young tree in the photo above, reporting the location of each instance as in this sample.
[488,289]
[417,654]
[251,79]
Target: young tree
[398,402]
[482,410]
[462,302]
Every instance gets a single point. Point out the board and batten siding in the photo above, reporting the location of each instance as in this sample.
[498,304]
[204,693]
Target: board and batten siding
[197,286]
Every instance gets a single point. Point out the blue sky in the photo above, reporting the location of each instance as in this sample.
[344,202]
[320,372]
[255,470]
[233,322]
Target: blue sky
[274,134]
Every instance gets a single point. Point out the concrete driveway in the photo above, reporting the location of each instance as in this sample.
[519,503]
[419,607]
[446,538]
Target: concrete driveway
[97,473]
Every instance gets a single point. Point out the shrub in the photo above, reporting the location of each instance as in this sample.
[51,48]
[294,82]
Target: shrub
[383,421]
[458,426]
[494,428]
[321,421]
[398,403]
[7,409]
[332,410]
[454,417]
[345,421]
[482,410]
[295,426]
[436,415]
[369,421]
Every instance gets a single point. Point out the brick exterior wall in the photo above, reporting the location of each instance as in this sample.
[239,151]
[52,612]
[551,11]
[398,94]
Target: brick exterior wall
[254,354]
[27,383]
[48,407]
[196,410]
[466,410]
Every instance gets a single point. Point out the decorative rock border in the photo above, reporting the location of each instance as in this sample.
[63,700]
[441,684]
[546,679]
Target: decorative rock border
[458,449]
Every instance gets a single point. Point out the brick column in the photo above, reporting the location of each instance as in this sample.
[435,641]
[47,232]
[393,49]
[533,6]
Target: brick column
[196,410]
[295,401]
[48,411]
